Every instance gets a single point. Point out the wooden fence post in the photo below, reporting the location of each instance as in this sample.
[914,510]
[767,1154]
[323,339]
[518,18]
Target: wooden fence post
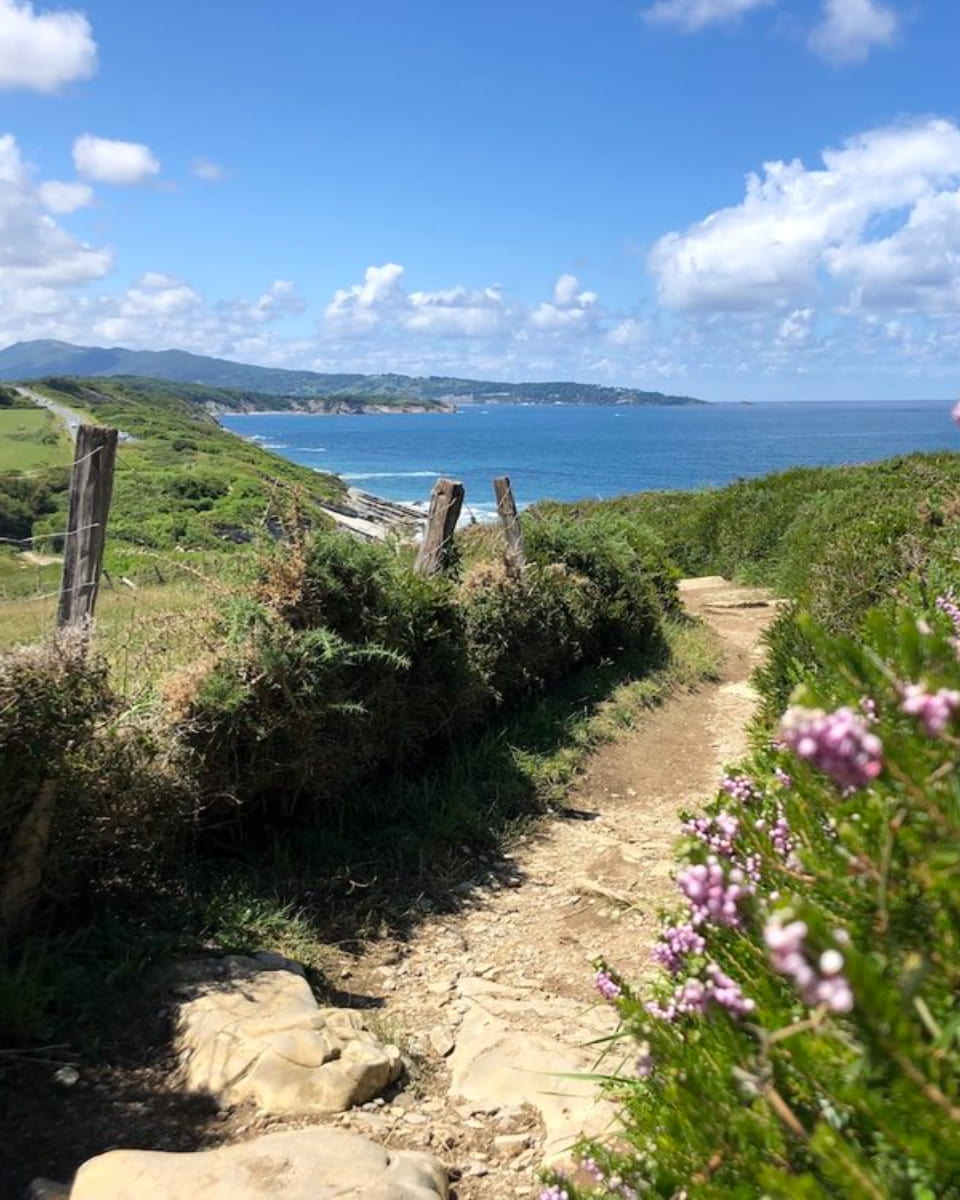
[445,504]
[507,508]
[91,486]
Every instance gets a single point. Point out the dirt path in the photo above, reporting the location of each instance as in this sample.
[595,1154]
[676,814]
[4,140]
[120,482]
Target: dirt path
[495,1005]
[498,1001]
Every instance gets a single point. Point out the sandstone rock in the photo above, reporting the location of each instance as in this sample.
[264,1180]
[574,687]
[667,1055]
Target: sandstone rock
[250,1029]
[495,1064]
[305,1164]
[441,1040]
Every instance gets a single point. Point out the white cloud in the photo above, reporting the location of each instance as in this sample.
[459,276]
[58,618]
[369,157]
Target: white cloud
[358,309]
[917,267]
[796,329]
[381,301]
[108,161]
[203,168]
[34,250]
[565,289]
[692,15]
[43,51]
[850,29]
[629,332]
[60,197]
[796,228]
[571,307]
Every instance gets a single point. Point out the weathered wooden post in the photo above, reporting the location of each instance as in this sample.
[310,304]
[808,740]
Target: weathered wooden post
[445,504]
[91,486]
[507,508]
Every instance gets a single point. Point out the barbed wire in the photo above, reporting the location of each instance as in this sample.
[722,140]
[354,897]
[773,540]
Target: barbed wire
[42,537]
[34,472]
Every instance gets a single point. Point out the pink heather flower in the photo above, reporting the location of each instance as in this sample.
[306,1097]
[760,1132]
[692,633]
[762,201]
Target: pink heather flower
[819,981]
[785,780]
[717,833]
[782,838]
[750,867]
[608,988]
[868,706]
[935,709]
[676,942]
[955,413]
[593,1170]
[554,1192]
[696,996]
[948,604]
[645,1061]
[740,787]
[713,894]
[723,991]
[837,743]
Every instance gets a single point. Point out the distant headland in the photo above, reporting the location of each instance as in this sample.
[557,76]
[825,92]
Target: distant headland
[307,391]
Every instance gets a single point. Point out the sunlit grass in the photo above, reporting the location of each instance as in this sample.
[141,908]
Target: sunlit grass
[32,438]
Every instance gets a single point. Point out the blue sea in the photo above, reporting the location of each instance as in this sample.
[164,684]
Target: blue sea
[568,453]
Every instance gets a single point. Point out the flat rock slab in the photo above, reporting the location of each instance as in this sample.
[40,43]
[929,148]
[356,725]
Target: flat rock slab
[499,1062]
[304,1164]
[250,1029]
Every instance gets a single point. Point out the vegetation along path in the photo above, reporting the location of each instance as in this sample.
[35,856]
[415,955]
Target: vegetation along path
[498,1001]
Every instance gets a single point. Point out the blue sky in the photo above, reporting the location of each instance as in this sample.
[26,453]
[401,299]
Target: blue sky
[750,199]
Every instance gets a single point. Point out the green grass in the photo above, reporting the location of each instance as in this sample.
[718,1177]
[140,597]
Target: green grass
[183,482]
[31,439]
[311,889]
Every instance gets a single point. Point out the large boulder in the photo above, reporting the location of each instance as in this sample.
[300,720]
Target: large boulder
[250,1029]
[304,1164]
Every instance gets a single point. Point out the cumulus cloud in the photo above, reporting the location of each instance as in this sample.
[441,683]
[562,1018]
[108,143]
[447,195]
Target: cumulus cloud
[34,249]
[850,29]
[692,15]
[203,168]
[61,197]
[382,301]
[108,161]
[571,307]
[631,331]
[43,51]
[798,229]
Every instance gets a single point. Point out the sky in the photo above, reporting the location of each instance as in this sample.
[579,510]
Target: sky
[734,199]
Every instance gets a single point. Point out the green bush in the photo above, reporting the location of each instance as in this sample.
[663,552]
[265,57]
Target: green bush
[840,1075]
[120,796]
[348,662]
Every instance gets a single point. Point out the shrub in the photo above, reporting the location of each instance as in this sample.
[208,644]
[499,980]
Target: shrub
[802,1040]
[347,662]
[92,795]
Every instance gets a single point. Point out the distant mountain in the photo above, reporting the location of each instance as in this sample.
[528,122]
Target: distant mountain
[33,360]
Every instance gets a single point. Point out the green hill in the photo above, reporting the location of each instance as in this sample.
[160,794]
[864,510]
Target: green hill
[181,480]
[32,360]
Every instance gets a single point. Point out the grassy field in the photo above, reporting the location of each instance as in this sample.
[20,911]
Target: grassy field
[32,438]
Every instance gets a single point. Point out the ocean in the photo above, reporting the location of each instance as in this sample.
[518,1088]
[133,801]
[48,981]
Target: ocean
[569,453]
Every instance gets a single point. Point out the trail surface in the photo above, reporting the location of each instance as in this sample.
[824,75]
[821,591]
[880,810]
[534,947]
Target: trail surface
[495,1004]
[499,998]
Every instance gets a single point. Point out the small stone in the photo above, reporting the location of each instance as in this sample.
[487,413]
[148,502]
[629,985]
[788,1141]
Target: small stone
[441,986]
[512,1143]
[415,1118]
[442,1041]
[67,1076]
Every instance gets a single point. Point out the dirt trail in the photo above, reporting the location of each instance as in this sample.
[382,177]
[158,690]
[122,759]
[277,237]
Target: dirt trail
[495,1004]
[498,999]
